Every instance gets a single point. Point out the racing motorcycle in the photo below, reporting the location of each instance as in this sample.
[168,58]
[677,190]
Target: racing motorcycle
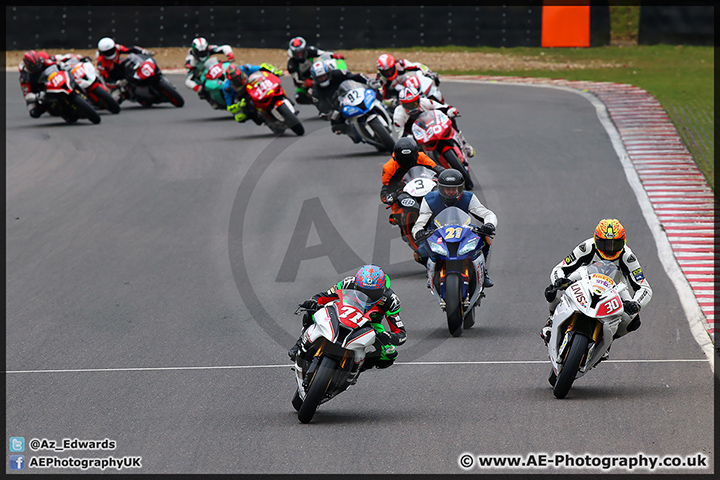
[455,267]
[434,132]
[146,83]
[91,84]
[366,114]
[414,185]
[584,322]
[63,98]
[425,85]
[336,344]
[271,104]
[211,78]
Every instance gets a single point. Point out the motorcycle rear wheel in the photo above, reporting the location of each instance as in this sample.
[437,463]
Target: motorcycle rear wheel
[316,391]
[453,304]
[291,120]
[454,162]
[85,109]
[382,134]
[573,360]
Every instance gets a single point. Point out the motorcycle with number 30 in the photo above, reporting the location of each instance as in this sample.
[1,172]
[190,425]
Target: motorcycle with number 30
[584,323]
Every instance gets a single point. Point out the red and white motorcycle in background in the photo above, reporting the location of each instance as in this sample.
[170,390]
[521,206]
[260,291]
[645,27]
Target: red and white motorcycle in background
[91,84]
[425,85]
[144,82]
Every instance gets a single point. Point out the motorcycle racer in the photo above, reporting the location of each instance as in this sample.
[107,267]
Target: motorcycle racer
[31,69]
[232,91]
[108,65]
[300,59]
[373,282]
[324,94]
[198,53]
[392,73]
[406,155]
[607,243]
[450,193]
[412,104]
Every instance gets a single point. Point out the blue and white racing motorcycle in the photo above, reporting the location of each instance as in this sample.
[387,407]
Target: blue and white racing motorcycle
[367,115]
[455,267]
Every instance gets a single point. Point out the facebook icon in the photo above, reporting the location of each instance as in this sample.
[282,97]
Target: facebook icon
[17,462]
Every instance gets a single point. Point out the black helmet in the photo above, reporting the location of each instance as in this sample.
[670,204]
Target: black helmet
[450,186]
[405,152]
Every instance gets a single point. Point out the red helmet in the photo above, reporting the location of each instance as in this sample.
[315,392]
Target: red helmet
[35,61]
[237,77]
[386,66]
[410,99]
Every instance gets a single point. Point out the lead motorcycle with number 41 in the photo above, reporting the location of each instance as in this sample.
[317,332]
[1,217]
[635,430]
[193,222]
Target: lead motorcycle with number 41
[584,322]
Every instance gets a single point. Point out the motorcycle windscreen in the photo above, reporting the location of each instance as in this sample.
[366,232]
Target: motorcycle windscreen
[452,216]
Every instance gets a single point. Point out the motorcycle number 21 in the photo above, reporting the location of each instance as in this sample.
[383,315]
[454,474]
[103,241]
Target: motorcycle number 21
[453,232]
[346,311]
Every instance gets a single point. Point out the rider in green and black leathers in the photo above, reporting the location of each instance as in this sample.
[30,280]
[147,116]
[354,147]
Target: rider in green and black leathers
[374,283]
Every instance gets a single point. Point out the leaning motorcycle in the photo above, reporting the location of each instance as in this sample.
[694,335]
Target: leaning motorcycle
[211,78]
[584,322]
[414,185]
[366,114]
[337,343]
[146,83]
[455,267]
[434,132]
[271,104]
[63,97]
[91,84]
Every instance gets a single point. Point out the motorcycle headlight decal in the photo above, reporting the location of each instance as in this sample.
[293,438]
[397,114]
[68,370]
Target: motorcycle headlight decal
[469,246]
[438,248]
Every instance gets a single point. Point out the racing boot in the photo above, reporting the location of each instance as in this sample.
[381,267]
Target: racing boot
[546,332]
[487,282]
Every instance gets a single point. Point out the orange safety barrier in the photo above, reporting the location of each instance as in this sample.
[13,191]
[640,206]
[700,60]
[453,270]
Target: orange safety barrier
[566,24]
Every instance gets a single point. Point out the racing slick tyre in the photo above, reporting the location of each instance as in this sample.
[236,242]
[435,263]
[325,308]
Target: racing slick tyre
[85,109]
[453,304]
[169,91]
[382,134]
[454,162]
[573,360]
[291,120]
[106,101]
[318,386]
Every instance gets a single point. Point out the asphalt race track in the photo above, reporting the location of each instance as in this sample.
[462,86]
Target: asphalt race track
[154,262]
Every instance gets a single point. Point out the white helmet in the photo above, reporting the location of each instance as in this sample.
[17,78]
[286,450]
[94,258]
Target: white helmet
[320,73]
[200,48]
[107,48]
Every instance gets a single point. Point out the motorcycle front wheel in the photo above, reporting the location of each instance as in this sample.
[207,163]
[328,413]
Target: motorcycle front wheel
[454,162]
[453,304]
[573,360]
[170,92]
[318,386]
[106,101]
[382,134]
[291,120]
[86,110]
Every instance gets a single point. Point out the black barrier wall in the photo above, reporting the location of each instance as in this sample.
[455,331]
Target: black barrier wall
[329,27]
[689,25]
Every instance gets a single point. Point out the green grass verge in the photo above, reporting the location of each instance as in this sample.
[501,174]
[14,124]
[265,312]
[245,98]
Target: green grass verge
[680,77]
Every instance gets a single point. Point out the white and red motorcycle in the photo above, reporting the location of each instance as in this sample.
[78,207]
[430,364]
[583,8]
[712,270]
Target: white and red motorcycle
[584,322]
[63,98]
[92,85]
[333,350]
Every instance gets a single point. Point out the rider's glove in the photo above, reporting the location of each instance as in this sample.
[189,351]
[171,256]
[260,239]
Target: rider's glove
[241,117]
[389,198]
[308,83]
[562,283]
[487,229]
[231,56]
[309,304]
[234,108]
[338,55]
[434,76]
[422,235]
[271,69]
[550,293]
[384,337]
[197,88]
[452,112]
[631,307]
[147,52]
